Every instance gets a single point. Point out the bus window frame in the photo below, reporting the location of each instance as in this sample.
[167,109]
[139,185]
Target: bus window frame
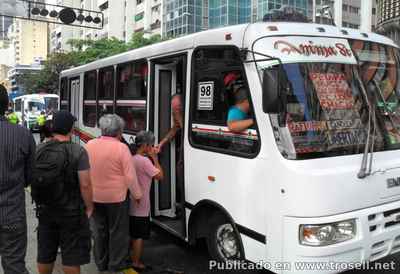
[96,97]
[116,89]
[192,103]
[67,91]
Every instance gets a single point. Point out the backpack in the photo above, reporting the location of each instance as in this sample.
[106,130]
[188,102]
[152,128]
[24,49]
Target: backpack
[54,175]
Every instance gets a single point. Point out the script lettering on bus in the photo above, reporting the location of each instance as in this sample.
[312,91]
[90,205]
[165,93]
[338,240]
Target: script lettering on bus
[309,48]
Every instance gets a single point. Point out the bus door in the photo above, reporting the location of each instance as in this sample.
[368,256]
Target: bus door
[165,87]
[74,85]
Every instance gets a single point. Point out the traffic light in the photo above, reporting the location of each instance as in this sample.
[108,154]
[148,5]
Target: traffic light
[57,14]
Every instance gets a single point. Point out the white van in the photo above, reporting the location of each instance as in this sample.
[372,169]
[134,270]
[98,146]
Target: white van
[28,107]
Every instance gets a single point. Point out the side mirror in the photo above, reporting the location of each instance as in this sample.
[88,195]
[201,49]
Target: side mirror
[271,100]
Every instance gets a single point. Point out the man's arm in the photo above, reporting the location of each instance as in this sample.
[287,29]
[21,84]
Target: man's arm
[30,160]
[86,190]
[169,136]
[240,125]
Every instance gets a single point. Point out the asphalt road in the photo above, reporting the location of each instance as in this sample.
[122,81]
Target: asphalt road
[165,253]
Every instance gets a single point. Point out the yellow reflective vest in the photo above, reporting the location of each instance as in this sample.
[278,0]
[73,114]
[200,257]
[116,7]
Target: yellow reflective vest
[41,120]
[13,118]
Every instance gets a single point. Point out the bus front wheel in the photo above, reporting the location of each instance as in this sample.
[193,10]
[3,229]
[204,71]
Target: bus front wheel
[223,242]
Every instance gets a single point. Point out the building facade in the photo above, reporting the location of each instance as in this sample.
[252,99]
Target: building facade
[184,17]
[388,18]
[350,13]
[143,16]
[122,18]
[5,23]
[29,40]
[15,74]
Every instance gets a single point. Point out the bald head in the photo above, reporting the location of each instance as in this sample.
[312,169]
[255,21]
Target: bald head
[176,103]
[3,100]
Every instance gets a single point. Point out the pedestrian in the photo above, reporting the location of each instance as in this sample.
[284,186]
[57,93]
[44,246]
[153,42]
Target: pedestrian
[13,117]
[17,154]
[41,121]
[113,174]
[146,171]
[48,130]
[62,191]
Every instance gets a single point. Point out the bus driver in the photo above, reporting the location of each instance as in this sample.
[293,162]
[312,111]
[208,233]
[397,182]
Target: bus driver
[238,114]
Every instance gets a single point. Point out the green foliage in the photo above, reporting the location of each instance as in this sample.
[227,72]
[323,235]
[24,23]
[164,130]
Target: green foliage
[83,52]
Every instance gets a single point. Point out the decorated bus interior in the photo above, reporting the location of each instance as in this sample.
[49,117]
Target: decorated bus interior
[327,105]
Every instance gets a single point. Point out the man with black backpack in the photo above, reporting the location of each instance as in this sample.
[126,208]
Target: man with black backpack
[62,191]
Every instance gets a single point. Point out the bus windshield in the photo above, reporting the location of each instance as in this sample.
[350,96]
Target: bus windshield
[327,108]
[35,106]
[51,103]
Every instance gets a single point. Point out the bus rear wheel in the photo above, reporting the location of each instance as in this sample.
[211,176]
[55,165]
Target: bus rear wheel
[223,242]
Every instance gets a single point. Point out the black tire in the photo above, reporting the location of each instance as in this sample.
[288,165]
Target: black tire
[223,243]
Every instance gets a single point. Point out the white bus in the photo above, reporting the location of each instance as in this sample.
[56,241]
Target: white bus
[301,184]
[28,107]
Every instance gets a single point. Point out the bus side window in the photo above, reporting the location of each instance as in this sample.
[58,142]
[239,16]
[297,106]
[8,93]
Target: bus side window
[89,99]
[105,92]
[212,97]
[132,94]
[64,94]
[18,105]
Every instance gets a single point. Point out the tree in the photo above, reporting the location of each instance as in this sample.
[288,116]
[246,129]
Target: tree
[47,79]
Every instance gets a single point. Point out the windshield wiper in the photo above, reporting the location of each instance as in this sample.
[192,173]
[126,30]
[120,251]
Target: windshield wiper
[366,166]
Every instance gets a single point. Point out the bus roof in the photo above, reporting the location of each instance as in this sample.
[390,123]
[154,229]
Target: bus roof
[242,36]
[36,96]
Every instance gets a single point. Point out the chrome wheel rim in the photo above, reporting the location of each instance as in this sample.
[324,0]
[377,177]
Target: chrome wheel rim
[227,243]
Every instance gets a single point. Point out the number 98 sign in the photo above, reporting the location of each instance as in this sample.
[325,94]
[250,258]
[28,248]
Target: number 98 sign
[205,96]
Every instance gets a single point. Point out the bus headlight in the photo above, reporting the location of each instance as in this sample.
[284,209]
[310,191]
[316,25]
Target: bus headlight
[327,234]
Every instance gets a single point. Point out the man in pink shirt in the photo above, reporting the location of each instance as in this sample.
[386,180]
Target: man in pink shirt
[112,174]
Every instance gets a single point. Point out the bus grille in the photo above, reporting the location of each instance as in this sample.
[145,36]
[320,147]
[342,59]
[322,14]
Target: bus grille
[379,223]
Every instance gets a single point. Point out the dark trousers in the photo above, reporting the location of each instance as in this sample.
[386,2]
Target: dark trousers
[111,236]
[13,242]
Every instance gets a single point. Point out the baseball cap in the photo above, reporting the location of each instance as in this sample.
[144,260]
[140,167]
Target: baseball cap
[63,121]
[230,78]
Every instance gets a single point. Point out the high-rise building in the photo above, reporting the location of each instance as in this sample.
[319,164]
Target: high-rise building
[143,16]
[29,40]
[184,17]
[388,19]
[350,13]
[5,23]
[122,18]
[263,6]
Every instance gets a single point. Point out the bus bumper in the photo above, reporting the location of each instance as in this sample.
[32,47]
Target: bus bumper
[377,236]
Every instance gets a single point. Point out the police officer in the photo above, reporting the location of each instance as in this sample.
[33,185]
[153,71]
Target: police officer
[41,122]
[12,118]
